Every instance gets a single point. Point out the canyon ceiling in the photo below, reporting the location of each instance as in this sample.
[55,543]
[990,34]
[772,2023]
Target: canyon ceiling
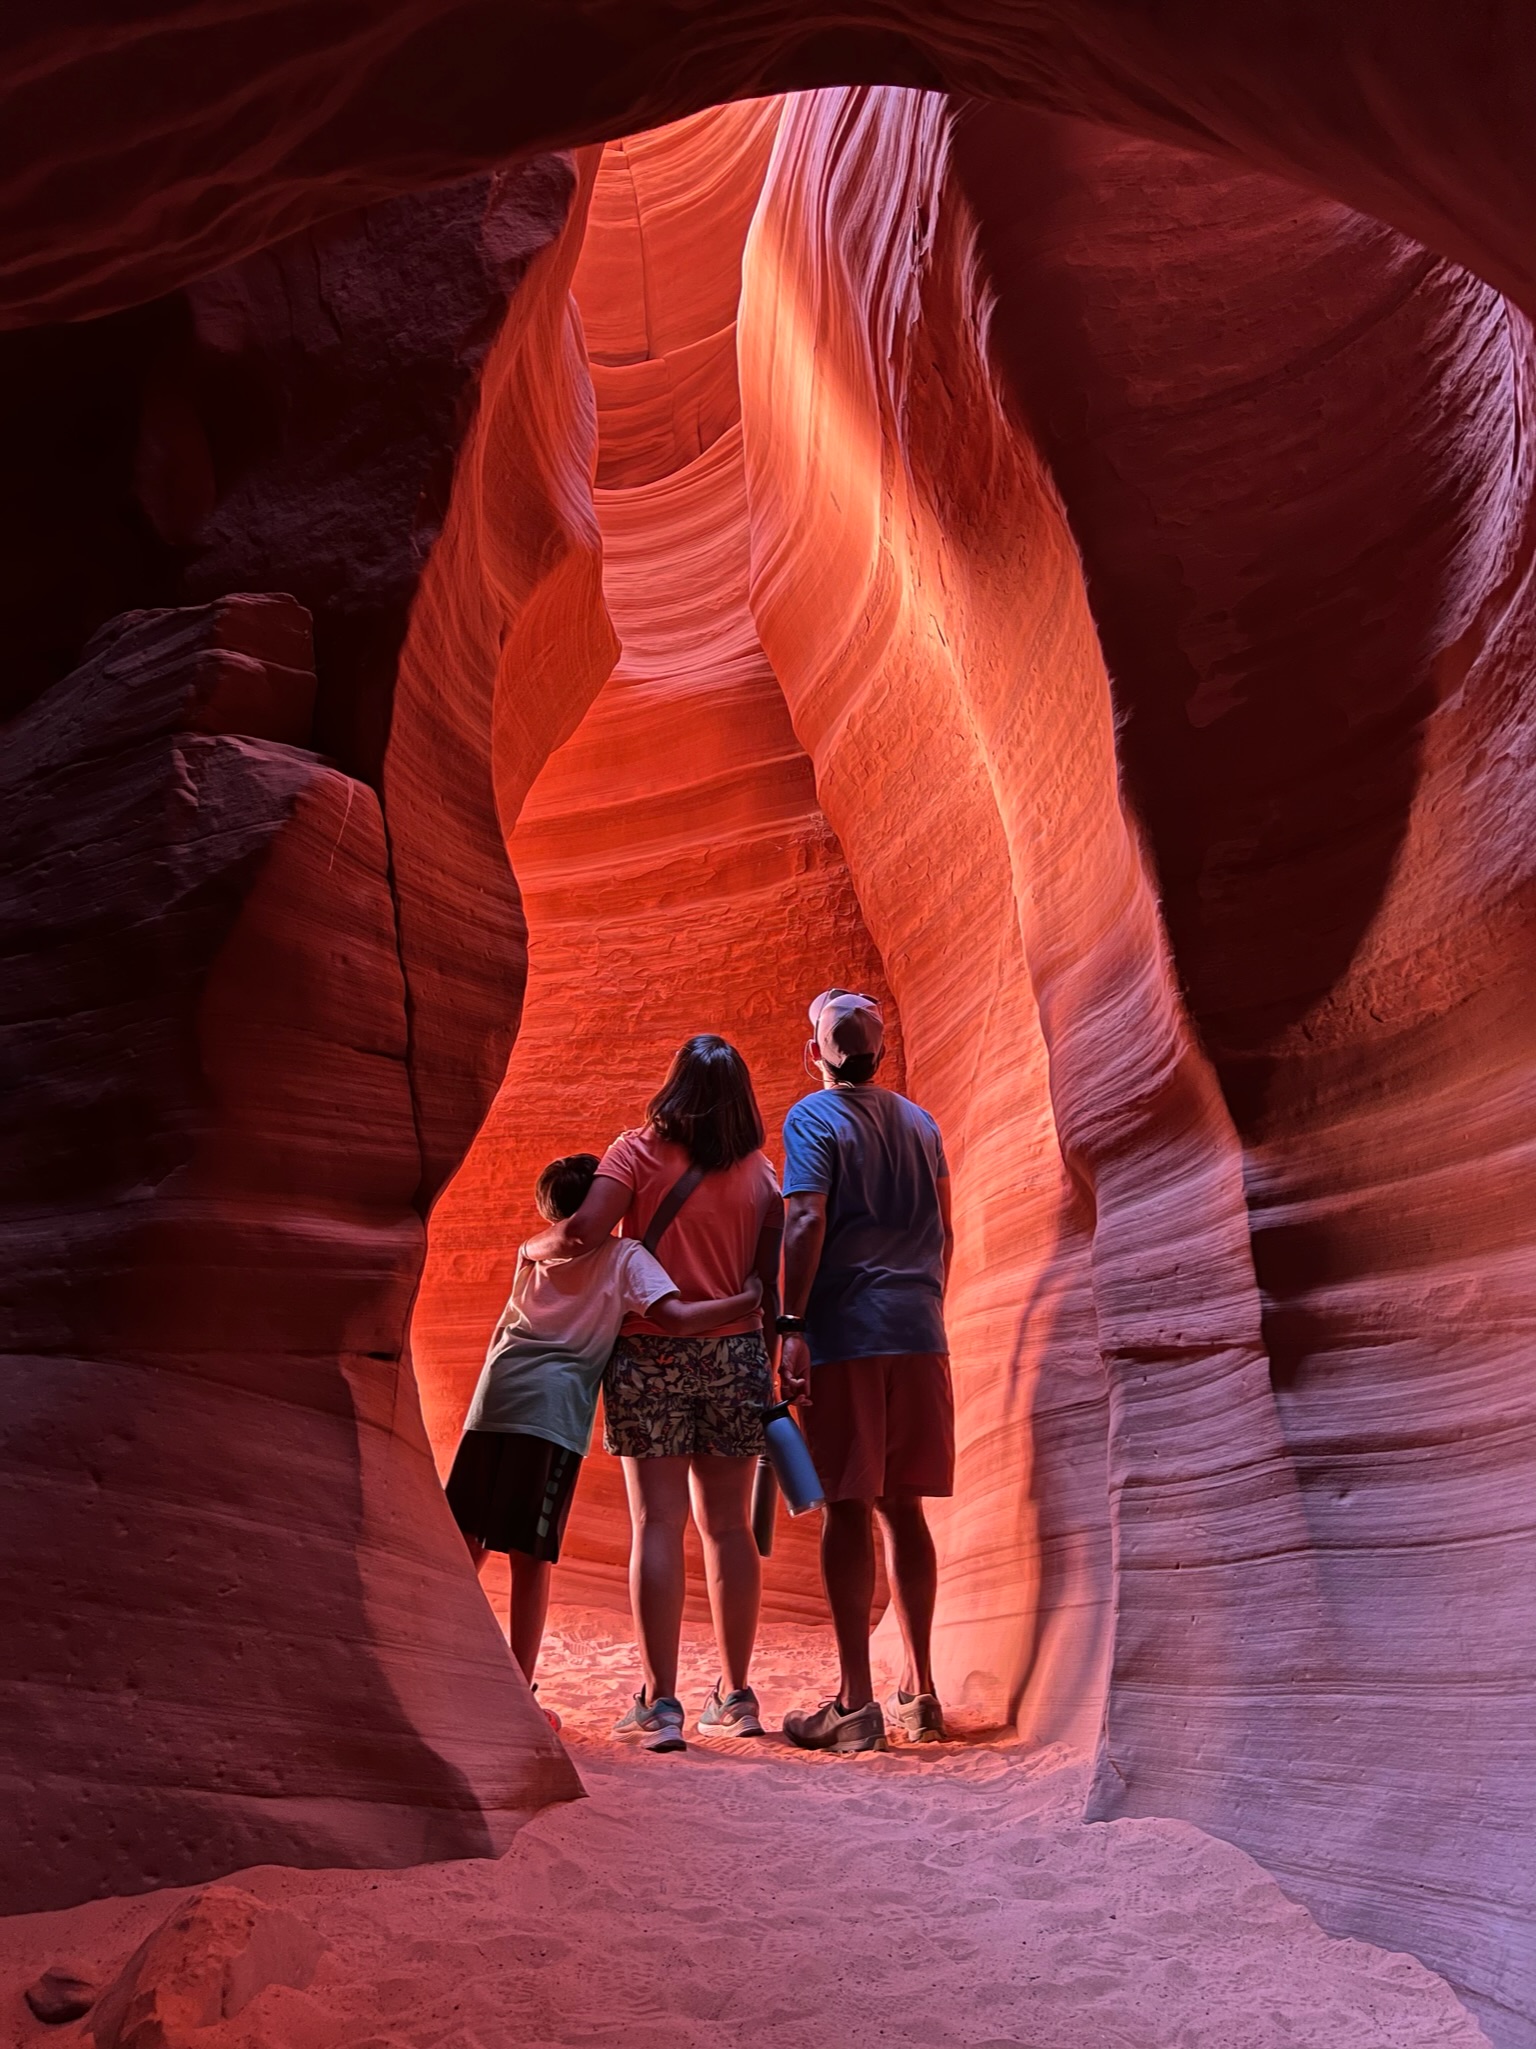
[1027,507]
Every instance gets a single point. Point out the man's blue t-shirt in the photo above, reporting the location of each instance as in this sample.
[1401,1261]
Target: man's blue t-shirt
[878,1159]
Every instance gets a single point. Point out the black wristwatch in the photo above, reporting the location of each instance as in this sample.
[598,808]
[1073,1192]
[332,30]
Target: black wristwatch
[789,1326]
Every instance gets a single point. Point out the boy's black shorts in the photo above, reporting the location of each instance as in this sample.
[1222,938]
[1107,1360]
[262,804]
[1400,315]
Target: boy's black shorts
[511,1492]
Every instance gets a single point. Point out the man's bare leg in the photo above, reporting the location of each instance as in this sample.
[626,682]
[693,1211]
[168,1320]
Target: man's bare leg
[848,1568]
[913,1569]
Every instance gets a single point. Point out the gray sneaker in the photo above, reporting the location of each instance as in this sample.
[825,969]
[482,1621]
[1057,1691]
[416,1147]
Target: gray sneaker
[737,1714]
[920,1718]
[657,1727]
[832,1727]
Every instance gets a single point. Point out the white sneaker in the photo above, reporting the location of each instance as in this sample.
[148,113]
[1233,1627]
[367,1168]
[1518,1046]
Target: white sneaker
[658,1726]
[734,1714]
[920,1719]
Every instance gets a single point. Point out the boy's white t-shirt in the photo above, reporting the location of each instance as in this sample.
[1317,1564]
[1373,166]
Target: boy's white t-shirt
[546,1359]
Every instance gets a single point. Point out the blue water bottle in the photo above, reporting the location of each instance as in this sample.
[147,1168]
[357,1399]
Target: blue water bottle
[765,1506]
[790,1457]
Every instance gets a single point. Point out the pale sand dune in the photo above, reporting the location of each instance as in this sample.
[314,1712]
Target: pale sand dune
[745,1893]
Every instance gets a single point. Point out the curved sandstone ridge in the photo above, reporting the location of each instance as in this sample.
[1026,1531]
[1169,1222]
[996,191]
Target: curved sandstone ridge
[224,1538]
[249,1028]
[1151,1034]
[676,871]
[148,142]
[1076,585]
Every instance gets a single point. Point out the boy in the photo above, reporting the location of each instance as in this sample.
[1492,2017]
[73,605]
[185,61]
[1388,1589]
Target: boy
[530,1421]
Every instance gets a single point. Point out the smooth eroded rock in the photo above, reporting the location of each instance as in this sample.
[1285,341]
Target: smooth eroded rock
[61,1995]
[204,1964]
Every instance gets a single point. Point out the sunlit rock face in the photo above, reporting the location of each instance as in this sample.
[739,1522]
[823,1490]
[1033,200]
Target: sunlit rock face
[879,612]
[1089,582]
[1295,1129]
[1289,446]
[676,871]
[934,639]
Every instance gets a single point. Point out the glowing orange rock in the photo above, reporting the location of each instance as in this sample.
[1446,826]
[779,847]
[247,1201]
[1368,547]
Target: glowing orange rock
[1243,1260]
[902,596]
[677,873]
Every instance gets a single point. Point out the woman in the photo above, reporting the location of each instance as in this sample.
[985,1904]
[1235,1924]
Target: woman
[685,1414]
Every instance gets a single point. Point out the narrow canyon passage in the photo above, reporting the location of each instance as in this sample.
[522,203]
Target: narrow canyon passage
[1066,563]
[677,875]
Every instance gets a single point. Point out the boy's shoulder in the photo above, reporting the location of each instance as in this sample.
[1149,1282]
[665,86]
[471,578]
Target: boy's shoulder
[575,1267]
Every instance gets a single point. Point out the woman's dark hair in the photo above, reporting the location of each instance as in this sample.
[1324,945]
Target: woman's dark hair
[706,1104]
[562,1187]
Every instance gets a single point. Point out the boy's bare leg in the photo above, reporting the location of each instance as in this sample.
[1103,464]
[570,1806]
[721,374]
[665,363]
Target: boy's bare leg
[658,1513]
[913,1569]
[527,1608]
[722,1507]
[848,1568]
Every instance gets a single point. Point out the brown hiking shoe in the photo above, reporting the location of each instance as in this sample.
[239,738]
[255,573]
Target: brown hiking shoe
[832,1727]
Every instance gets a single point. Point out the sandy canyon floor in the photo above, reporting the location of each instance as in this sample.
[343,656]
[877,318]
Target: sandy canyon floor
[745,1893]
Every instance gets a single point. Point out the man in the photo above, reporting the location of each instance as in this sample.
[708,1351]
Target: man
[867,1248]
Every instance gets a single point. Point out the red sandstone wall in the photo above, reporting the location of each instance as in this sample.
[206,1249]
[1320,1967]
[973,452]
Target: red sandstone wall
[868,659]
[1292,454]
[145,144]
[286,1027]
[676,872]
[222,1540]
[506,645]
[1322,921]
[1372,1077]
[923,606]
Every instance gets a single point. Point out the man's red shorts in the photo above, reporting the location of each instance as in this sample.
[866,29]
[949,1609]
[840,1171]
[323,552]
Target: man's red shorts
[882,1426]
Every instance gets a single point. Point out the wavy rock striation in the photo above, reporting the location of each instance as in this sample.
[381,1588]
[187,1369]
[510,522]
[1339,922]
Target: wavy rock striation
[146,144]
[1291,451]
[250,1029]
[1085,582]
[222,1522]
[1256,1113]
[676,871]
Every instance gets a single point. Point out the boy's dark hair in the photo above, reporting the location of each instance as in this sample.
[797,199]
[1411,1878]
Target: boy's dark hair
[562,1187]
[857,1067]
[706,1104]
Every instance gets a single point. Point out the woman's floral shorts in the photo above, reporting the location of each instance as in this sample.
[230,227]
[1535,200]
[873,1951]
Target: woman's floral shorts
[684,1397]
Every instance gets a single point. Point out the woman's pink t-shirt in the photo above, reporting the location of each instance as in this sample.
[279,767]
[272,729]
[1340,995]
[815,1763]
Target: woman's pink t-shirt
[710,1246]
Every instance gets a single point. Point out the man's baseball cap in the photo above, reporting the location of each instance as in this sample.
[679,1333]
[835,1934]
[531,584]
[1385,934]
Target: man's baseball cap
[846,1024]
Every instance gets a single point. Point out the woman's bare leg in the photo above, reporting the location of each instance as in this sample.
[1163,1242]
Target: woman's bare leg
[722,1508]
[527,1607]
[658,1515]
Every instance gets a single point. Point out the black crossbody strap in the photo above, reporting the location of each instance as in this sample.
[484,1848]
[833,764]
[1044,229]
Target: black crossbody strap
[670,1204]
